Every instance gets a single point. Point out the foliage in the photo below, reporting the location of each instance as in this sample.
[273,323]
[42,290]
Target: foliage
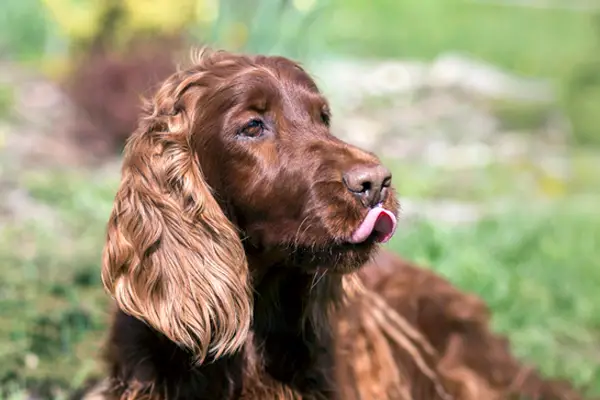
[52,308]
[84,21]
[582,93]
[265,26]
[25,29]
[289,28]
[554,43]
[77,20]
[6,101]
[541,42]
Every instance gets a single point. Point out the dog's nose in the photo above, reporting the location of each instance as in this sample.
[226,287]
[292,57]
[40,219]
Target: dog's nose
[368,183]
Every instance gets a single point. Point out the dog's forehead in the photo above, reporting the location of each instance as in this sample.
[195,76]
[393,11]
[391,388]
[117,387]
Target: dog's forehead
[276,87]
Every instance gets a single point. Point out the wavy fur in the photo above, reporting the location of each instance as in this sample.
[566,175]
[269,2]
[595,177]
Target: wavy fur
[172,258]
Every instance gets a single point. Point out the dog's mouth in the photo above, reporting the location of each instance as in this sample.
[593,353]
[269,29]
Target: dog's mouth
[346,254]
[378,226]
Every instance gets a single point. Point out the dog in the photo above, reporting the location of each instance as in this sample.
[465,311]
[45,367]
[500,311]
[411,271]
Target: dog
[243,254]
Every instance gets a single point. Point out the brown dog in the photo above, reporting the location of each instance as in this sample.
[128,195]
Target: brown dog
[234,254]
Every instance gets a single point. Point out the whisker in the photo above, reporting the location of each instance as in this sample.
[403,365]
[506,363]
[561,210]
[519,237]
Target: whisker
[317,278]
[295,241]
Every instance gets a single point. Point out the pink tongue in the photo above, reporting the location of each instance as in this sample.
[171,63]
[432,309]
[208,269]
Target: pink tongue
[378,220]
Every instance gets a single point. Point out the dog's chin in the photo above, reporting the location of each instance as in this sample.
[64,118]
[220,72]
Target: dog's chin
[336,257]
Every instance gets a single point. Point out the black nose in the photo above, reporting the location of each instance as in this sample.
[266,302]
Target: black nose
[369,183]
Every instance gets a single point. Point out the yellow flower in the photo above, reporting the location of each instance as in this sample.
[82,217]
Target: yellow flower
[551,186]
[76,19]
[166,16]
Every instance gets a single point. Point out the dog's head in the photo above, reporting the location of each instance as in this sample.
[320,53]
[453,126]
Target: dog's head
[236,148]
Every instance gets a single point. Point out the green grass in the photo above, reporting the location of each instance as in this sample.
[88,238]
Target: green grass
[52,308]
[536,267]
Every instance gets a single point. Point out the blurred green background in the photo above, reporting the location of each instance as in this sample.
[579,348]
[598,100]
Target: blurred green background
[487,111]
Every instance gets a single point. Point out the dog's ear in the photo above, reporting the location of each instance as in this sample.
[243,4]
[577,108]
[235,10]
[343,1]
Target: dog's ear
[172,258]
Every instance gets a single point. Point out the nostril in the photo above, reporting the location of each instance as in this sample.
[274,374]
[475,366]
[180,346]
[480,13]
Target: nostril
[387,181]
[357,183]
[368,183]
[366,186]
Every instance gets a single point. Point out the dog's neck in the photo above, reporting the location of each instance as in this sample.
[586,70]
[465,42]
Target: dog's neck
[291,295]
[292,325]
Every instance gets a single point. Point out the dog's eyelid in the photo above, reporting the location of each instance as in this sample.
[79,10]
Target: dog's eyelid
[260,107]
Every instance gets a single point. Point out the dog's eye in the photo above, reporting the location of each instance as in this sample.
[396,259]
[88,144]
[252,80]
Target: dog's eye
[253,129]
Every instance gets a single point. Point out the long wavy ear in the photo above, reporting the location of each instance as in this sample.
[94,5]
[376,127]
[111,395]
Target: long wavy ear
[172,258]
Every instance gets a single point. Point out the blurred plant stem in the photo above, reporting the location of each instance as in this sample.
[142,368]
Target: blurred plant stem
[582,93]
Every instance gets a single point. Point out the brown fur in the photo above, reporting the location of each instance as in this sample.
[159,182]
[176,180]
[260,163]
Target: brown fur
[447,329]
[227,254]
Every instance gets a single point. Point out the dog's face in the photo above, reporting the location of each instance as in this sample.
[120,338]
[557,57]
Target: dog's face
[284,179]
